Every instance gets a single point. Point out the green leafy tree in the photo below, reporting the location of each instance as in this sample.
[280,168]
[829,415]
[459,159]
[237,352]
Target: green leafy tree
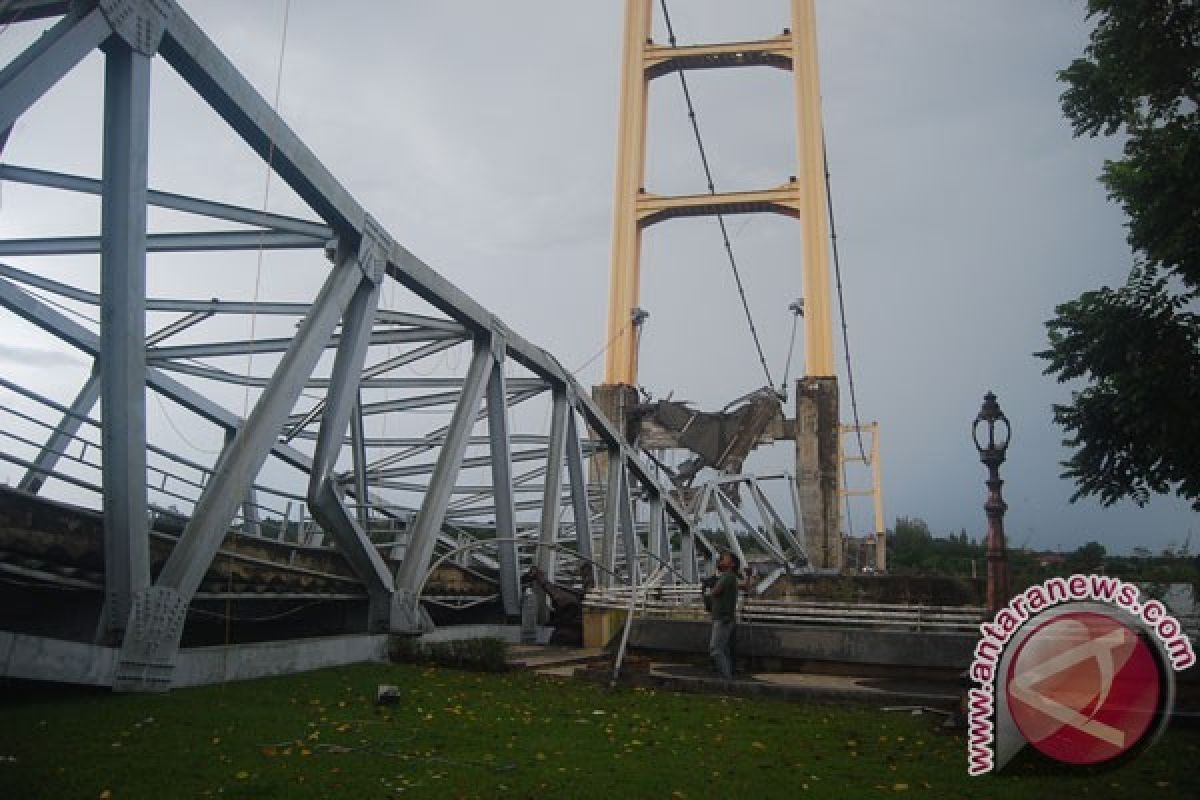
[911,543]
[1134,426]
[914,550]
[1087,558]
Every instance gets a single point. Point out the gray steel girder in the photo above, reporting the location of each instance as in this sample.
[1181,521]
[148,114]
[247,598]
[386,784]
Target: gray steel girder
[323,500]
[612,513]
[123,334]
[502,482]
[167,243]
[552,495]
[63,434]
[175,202]
[579,498]
[46,61]
[411,575]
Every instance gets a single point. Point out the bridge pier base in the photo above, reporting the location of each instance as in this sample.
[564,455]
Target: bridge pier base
[151,648]
[817,469]
[408,615]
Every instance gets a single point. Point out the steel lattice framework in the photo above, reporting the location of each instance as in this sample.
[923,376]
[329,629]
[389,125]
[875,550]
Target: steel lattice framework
[338,369]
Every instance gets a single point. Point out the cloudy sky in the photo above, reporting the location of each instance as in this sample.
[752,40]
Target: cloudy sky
[482,135]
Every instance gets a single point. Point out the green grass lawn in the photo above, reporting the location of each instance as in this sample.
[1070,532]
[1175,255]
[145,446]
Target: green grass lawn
[463,734]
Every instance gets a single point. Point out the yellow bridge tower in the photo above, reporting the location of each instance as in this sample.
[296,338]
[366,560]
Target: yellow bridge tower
[802,197]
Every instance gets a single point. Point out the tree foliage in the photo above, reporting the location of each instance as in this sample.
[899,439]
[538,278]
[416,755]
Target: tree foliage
[1086,558]
[1134,427]
[913,549]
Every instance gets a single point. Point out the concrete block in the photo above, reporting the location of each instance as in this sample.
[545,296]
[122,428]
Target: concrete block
[601,625]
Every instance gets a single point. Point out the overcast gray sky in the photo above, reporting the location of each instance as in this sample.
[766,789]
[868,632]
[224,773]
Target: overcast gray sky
[482,136]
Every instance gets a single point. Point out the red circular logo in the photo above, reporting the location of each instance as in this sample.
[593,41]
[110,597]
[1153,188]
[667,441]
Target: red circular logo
[1084,688]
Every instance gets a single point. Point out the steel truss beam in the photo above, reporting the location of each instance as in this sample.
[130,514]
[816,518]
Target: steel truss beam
[44,64]
[165,243]
[123,333]
[260,346]
[15,11]
[327,507]
[63,434]
[176,202]
[503,489]
[579,498]
[552,495]
[612,499]
[440,436]
[417,558]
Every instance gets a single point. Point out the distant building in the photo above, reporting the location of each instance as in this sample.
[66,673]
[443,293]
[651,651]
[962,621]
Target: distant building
[1046,560]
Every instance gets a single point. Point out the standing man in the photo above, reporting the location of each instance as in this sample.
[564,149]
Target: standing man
[723,598]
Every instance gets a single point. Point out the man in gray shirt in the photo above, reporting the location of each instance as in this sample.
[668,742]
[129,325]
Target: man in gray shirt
[723,602]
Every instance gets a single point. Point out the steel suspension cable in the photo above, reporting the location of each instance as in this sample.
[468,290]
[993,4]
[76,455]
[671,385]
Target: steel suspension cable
[737,277]
[837,272]
[258,270]
[787,364]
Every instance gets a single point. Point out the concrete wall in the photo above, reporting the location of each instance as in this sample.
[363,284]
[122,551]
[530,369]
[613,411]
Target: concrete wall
[37,658]
[40,658]
[204,665]
[812,643]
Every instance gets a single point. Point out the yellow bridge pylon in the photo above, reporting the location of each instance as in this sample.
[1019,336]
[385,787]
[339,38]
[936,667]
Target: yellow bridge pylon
[875,492]
[803,197]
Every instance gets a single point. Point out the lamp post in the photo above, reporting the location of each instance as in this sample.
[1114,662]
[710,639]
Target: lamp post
[992,434]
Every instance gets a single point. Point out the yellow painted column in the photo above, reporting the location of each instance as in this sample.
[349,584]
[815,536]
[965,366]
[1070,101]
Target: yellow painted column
[877,479]
[810,174]
[620,366]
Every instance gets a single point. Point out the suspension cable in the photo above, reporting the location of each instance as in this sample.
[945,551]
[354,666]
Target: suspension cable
[607,345]
[258,269]
[687,96]
[837,271]
[787,364]
[270,168]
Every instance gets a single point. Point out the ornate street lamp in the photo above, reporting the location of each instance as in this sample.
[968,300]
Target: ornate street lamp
[992,434]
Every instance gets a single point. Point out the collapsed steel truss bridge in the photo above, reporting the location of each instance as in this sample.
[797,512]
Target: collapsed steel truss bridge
[519,453]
